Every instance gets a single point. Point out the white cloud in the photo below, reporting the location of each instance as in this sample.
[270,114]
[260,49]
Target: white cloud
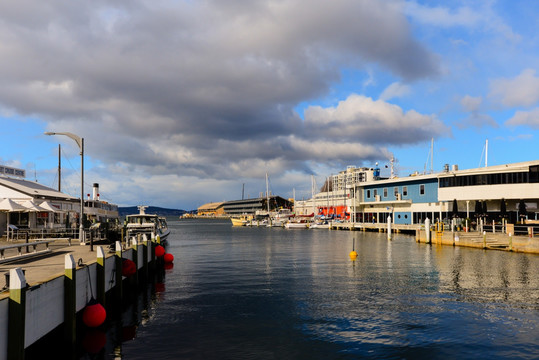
[372,122]
[525,118]
[476,118]
[470,103]
[442,16]
[395,90]
[523,90]
[481,17]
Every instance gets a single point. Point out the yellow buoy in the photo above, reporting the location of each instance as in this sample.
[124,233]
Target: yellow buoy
[353,255]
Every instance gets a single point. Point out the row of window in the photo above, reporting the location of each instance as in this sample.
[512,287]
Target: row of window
[395,191]
[493,179]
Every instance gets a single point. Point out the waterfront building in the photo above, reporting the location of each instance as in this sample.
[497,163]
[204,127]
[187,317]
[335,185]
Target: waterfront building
[211,209]
[333,199]
[256,205]
[510,191]
[54,209]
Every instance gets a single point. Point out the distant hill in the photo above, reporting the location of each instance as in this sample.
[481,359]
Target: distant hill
[129,210]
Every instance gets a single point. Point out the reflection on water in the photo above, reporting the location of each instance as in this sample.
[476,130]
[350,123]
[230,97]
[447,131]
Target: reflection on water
[270,293]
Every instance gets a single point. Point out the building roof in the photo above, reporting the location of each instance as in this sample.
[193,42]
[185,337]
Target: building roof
[34,189]
[210,206]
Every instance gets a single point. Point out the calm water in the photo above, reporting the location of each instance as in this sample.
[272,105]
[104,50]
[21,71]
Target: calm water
[271,293]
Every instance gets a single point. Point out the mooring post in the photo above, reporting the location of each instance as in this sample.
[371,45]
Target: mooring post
[427,231]
[100,272]
[145,257]
[118,272]
[152,253]
[389,227]
[134,245]
[70,299]
[484,239]
[16,314]
[510,242]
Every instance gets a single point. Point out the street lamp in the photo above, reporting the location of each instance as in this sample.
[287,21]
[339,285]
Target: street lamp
[80,143]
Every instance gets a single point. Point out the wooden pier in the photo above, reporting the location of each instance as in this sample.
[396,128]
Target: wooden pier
[483,240]
[46,289]
[377,227]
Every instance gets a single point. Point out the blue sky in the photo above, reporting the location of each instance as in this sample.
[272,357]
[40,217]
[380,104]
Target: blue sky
[183,103]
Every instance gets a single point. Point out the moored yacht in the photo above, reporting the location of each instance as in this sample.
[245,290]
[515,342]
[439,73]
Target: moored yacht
[148,224]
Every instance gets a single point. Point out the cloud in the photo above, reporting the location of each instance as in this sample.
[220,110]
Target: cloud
[203,89]
[476,118]
[359,118]
[394,90]
[483,17]
[442,16]
[523,90]
[470,103]
[525,118]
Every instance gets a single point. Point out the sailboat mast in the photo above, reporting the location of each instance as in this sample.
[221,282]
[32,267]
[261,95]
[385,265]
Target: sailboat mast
[267,193]
[486,153]
[312,191]
[59,169]
[432,155]
[327,198]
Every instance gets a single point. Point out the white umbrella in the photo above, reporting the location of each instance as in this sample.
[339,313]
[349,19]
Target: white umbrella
[49,207]
[11,206]
[31,206]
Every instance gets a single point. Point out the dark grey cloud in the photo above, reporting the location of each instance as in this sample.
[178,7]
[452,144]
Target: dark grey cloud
[196,88]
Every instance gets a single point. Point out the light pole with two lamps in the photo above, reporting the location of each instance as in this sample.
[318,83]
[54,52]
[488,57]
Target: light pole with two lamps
[80,143]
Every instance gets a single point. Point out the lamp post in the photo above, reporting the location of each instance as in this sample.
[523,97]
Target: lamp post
[80,143]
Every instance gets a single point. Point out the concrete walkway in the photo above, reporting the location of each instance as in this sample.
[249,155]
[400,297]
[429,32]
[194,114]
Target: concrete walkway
[46,266]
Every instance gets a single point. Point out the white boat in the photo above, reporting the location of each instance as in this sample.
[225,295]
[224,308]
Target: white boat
[281,217]
[148,224]
[99,211]
[301,224]
[319,225]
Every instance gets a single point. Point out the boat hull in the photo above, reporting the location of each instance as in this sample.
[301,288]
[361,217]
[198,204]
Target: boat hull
[292,225]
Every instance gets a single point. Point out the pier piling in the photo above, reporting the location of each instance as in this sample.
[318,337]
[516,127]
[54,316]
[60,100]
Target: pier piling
[70,300]
[100,272]
[16,313]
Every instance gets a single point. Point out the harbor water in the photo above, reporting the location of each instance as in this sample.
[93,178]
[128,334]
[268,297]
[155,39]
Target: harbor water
[272,293]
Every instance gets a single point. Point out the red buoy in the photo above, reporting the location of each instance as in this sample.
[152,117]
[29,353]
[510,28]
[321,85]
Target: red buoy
[159,251]
[94,341]
[159,287]
[168,258]
[94,314]
[128,267]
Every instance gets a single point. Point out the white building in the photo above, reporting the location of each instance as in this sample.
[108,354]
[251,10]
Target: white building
[55,209]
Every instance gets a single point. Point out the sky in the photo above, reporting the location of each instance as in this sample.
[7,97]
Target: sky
[181,103]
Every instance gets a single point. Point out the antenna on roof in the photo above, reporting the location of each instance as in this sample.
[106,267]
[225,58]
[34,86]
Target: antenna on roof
[485,152]
[431,156]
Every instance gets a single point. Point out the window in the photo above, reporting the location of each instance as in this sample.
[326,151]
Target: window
[421,189]
[368,194]
[385,192]
[375,192]
[396,191]
[405,191]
